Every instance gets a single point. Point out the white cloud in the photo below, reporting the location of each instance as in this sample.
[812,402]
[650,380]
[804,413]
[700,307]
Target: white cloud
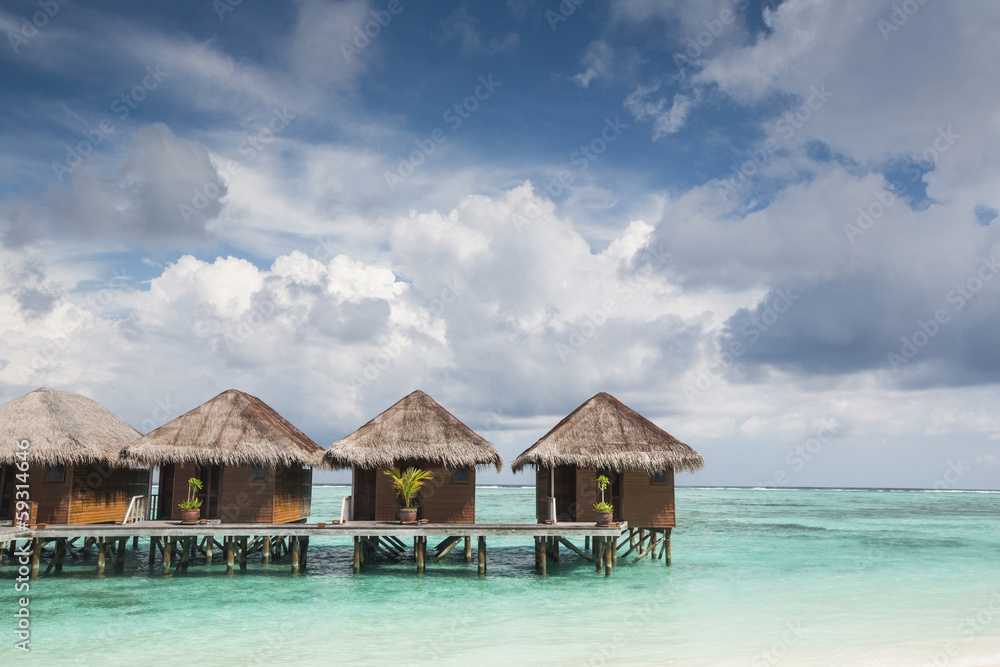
[666,120]
[598,60]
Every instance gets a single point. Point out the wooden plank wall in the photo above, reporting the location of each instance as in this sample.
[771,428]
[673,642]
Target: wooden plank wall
[99,494]
[287,495]
[541,494]
[242,500]
[586,494]
[444,501]
[645,504]
[53,498]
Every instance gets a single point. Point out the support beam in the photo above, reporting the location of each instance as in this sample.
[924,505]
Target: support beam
[577,550]
[152,549]
[420,552]
[135,543]
[468,549]
[265,552]
[168,551]
[666,539]
[209,549]
[452,543]
[120,560]
[243,553]
[230,543]
[100,557]
[600,543]
[543,566]
[60,554]
[357,554]
[293,547]
[609,556]
[482,554]
[36,556]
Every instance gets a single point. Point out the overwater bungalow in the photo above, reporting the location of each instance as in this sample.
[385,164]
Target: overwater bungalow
[254,465]
[65,447]
[605,437]
[416,431]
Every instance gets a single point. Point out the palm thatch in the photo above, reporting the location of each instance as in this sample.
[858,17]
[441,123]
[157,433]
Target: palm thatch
[605,434]
[416,427]
[233,429]
[61,428]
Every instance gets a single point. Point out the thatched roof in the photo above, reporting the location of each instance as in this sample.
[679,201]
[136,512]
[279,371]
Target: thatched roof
[604,433]
[414,428]
[231,429]
[61,428]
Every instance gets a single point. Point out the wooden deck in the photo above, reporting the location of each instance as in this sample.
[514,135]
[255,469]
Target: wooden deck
[351,529]
[178,545]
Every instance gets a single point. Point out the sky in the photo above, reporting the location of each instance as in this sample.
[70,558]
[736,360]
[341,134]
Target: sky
[771,227]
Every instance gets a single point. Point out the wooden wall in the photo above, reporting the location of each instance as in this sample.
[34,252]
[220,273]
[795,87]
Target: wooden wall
[541,494]
[100,494]
[88,494]
[242,500]
[53,498]
[586,494]
[288,495]
[648,505]
[442,500]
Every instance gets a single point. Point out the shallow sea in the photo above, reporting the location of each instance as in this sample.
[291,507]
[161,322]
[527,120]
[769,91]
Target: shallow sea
[759,577]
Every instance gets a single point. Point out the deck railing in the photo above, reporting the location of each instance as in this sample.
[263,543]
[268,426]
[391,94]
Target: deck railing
[136,510]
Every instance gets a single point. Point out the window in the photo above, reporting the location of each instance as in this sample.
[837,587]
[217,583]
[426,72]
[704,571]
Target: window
[659,477]
[259,474]
[460,476]
[57,473]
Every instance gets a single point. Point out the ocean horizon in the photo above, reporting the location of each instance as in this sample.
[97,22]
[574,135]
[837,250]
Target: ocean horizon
[789,577]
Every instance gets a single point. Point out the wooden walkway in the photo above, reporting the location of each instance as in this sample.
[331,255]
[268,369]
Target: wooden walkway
[179,545]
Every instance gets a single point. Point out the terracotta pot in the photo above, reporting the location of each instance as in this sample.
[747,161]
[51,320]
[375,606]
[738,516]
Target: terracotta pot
[407,516]
[189,517]
[604,518]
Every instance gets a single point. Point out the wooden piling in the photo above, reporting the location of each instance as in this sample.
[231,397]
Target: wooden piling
[420,553]
[609,557]
[293,547]
[481,555]
[543,566]
[666,539]
[599,546]
[100,557]
[468,549]
[357,554]
[135,543]
[230,543]
[265,552]
[168,552]
[60,554]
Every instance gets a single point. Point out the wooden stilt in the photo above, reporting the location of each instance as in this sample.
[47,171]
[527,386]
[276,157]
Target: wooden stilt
[243,553]
[481,555]
[230,543]
[357,554]
[209,549]
[36,556]
[60,554]
[305,552]
[185,549]
[543,566]
[575,549]
[100,557]
[168,552]
[554,544]
[599,546]
[586,543]
[135,543]
[265,552]
[152,549]
[420,552]
[468,549]
[609,557]
[293,547]
[666,539]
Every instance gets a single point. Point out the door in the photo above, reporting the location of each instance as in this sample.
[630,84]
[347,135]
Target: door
[565,493]
[613,494]
[307,485]
[165,493]
[209,494]
[363,502]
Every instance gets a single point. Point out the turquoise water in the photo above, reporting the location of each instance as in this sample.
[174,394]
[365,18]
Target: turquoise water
[760,577]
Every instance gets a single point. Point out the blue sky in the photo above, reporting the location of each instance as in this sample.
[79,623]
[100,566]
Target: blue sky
[768,226]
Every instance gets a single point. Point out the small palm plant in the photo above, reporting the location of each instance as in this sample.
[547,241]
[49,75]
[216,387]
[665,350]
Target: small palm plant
[602,483]
[192,503]
[408,484]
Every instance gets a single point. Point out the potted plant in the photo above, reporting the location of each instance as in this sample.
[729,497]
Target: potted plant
[604,511]
[408,484]
[191,508]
